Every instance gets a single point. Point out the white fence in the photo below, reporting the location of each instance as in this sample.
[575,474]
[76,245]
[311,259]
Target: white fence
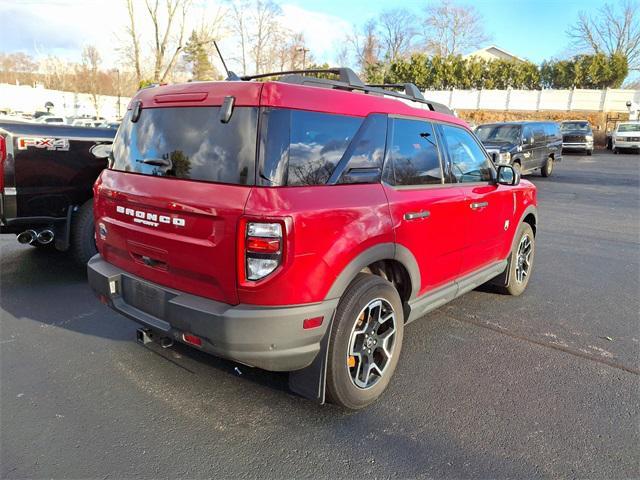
[608,100]
[29,99]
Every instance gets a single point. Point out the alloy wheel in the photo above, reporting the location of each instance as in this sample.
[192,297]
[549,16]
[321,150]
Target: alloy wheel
[372,343]
[523,258]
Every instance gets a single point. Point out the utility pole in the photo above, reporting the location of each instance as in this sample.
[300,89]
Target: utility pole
[304,55]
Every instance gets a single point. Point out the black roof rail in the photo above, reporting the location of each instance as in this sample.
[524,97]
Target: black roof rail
[409,88]
[349,80]
[345,75]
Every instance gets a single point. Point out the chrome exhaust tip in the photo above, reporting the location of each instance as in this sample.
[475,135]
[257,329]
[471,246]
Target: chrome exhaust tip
[45,237]
[28,236]
[166,342]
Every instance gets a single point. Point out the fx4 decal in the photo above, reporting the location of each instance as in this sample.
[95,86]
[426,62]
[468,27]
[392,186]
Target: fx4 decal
[61,144]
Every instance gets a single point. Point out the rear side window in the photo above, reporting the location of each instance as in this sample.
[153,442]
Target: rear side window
[303,148]
[413,153]
[189,143]
[318,141]
[468,161]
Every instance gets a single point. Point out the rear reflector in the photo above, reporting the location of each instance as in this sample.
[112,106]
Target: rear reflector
[192,339]
[312,322]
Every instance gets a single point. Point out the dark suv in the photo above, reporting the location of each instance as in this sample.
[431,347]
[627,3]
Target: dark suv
[528,146]
[297,225]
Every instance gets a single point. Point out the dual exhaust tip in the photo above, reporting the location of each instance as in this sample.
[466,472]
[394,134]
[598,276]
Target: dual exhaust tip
[43,237]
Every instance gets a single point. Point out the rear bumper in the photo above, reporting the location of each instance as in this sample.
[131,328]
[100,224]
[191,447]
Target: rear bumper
[271,338]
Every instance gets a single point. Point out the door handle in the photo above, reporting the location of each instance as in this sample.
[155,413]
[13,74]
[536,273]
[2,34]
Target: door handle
[478,205]
[416,215]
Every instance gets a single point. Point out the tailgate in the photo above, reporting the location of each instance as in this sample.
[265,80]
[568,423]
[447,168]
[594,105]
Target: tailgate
[169,204]
[176,233]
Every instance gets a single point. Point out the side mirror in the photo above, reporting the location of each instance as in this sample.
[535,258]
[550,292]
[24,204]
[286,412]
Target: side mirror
[507,175]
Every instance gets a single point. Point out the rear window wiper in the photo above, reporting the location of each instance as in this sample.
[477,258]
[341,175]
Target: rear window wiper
[156,162]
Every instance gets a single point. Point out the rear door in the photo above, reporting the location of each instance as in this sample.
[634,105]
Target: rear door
[169,205]
[487,205]
[427,214]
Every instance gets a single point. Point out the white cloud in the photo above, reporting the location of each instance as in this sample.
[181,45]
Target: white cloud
[321,31]
[62,27]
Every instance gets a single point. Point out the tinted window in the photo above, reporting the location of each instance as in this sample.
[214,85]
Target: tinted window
[189,143]
[575,127]
[303,148]
[468,161]
[318,141]
[527,133]
[365,154]
[498,133]
[413,153]
[538,133]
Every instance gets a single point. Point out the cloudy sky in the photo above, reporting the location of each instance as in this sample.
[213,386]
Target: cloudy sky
[533,29]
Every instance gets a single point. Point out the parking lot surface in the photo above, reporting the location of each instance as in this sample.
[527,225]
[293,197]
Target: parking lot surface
[489,386]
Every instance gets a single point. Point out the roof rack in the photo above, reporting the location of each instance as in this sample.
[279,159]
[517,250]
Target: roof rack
[409,88]
[348,80]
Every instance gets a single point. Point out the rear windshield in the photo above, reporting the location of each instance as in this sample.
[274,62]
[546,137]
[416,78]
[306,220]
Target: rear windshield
[189,143]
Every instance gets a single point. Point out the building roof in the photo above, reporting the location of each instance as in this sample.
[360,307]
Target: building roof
[494,52]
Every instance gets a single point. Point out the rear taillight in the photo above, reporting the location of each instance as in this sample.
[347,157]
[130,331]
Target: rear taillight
[3,157]
[260,249]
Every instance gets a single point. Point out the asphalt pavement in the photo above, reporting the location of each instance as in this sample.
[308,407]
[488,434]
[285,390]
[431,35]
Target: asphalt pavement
[545,385]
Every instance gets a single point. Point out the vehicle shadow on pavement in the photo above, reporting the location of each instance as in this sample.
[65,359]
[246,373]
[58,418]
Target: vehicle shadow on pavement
[47,286]
[379,441]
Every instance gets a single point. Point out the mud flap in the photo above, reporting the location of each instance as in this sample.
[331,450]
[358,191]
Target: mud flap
[63,232]
[311,382]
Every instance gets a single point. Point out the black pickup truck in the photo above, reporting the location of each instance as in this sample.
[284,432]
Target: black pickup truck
[46,178]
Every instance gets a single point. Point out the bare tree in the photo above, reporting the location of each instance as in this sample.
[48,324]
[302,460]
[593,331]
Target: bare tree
[267,28]
[133,52]
[611,30]
[398,29]
[162,34]
[262,39]
[365,44]
[239,28]
[451,29]
[89,75]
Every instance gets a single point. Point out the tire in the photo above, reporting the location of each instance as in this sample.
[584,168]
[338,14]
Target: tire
[589,153]
[616,151]
[518,283]
[518,168]
[547,169]
[369,297]
[83,243]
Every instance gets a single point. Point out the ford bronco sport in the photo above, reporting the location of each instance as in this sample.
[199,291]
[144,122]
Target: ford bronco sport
[297,225]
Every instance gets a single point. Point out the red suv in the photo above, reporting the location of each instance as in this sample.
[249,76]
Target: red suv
[297,225]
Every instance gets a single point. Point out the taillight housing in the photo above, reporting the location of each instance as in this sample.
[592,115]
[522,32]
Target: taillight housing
[261,248]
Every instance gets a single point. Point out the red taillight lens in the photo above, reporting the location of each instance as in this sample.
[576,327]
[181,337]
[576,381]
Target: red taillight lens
[192,339]
[263,245]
